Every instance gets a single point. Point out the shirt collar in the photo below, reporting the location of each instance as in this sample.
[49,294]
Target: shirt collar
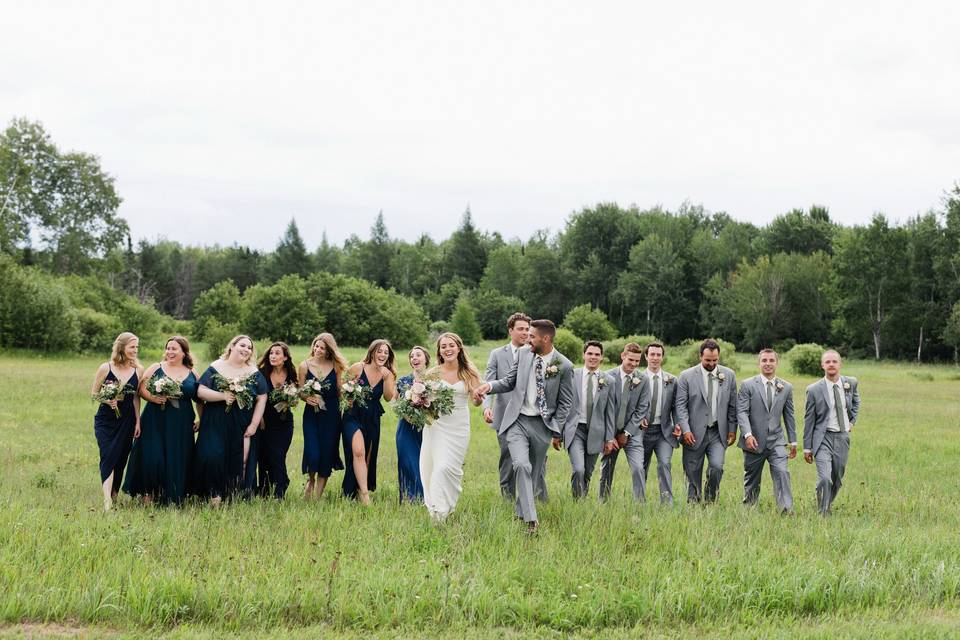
[650,373]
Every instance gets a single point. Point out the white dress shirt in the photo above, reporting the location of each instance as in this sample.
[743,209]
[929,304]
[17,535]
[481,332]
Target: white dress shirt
[655,416]
[716,389]
[529,407]
[832,424]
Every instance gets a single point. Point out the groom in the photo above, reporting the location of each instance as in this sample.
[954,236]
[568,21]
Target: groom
[539,395]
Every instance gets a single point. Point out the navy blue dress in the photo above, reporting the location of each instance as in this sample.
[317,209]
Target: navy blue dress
[115,435]
[409,441]
[218,454]
[160,460]
[275,439]
[366,420]
[321,431]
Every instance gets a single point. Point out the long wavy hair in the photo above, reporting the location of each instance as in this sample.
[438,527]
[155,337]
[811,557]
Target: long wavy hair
[391,358]
[265,367]
[184,346]
[230,345]
[117,355]
[466,370]
[340,363]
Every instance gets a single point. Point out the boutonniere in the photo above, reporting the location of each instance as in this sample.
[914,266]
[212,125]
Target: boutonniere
[779,386]
[551,371]
[601,382]
[635,380]
[721,377]
[846,386]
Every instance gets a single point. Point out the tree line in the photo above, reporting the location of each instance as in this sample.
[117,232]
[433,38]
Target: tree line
[882,290]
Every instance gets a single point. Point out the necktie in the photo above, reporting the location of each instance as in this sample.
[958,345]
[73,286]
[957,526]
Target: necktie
[769,396]
[838,407]
[711,383]
[622,410]
[589,397]
[655,400]
[541,388]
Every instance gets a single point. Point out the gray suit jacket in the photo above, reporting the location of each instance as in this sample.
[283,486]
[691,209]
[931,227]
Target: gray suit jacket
[668,415]
[558,390]
[597,428]
[498,366]
[816,413]
[693,413]
[637,397]
[755,419]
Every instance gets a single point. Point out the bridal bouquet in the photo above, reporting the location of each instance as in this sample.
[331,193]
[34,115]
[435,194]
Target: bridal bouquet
[423,402]
[353,392]
[314,389]
[113,391]
[168,388]
[239,387]
[285,398]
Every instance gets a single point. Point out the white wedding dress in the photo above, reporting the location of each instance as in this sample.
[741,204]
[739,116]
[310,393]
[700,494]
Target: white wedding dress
[442,454]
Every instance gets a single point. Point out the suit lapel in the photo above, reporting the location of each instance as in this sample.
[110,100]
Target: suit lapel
[824,390]
[703,388]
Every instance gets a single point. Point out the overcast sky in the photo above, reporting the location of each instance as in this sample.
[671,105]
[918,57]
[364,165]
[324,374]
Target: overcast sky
[220,121]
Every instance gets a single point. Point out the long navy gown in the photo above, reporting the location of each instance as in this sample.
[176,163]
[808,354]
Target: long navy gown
[160,460]
[115,435]
[218,454]
[367,421]
[409,441]
[275,439]
[321,431]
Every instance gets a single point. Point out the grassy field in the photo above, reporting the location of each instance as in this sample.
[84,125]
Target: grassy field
[887,564]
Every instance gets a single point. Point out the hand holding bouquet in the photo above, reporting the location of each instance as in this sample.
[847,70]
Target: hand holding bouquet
[424,401]
[239,387]
[112,391]
[314,388]
[285,397]
[169,388]
[353,392]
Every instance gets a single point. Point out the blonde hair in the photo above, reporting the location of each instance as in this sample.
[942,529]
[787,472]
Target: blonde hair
[340,363]
[391,357]
[230,345]
[466,370]
[117,355]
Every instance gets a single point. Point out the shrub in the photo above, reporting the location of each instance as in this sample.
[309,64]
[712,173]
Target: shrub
[493,308]
[463,322]
[35,310]
[613,348]
[805,359]
[690,353]
[438,327]
[569,345]
[589,323]
[218,336]
[97,330]
[281,311]
[221,302]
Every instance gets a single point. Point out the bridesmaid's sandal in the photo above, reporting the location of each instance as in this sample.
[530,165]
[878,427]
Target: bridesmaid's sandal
[365,498]
[107,504]
[215,501]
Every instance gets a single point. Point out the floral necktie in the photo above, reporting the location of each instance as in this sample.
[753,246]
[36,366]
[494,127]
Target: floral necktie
[541,388]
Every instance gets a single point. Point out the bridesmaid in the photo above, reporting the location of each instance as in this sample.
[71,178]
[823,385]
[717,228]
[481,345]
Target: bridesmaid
[115,435]
[409,440]
[276,434]
[220,469]
[160,461]
[361,425]
[321,429]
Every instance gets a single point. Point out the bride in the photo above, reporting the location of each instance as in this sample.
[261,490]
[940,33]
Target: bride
[445,441]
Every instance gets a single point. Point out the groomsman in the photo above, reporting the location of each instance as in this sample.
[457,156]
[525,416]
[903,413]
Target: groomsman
[539,394]
[661,436]
[498,365]
[707,412]
[833,403]
[764,407]
[583,434]
[627,406]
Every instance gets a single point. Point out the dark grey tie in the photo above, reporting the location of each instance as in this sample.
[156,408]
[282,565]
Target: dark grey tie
[590,383]
[769,395]
[656,397]
[838,407]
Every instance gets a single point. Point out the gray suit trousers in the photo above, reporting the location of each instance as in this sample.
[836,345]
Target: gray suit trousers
[831,460]
[581,462]
[714,451]
[634,452]
[654,442]
[528,439]
[776,456]
[508,484]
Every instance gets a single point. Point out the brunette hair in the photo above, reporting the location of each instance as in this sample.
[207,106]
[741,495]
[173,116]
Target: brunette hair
[265,367]
[426,354]
[466,370]
[230,345]
[711,344]
[655,345]
[545,327]
[593,343]
[185,347]
[117,355]
[340,363]
[769,350]
[632,347]
[391,358]
[517,317]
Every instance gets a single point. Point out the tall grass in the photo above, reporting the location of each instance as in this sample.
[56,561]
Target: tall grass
[889,554]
